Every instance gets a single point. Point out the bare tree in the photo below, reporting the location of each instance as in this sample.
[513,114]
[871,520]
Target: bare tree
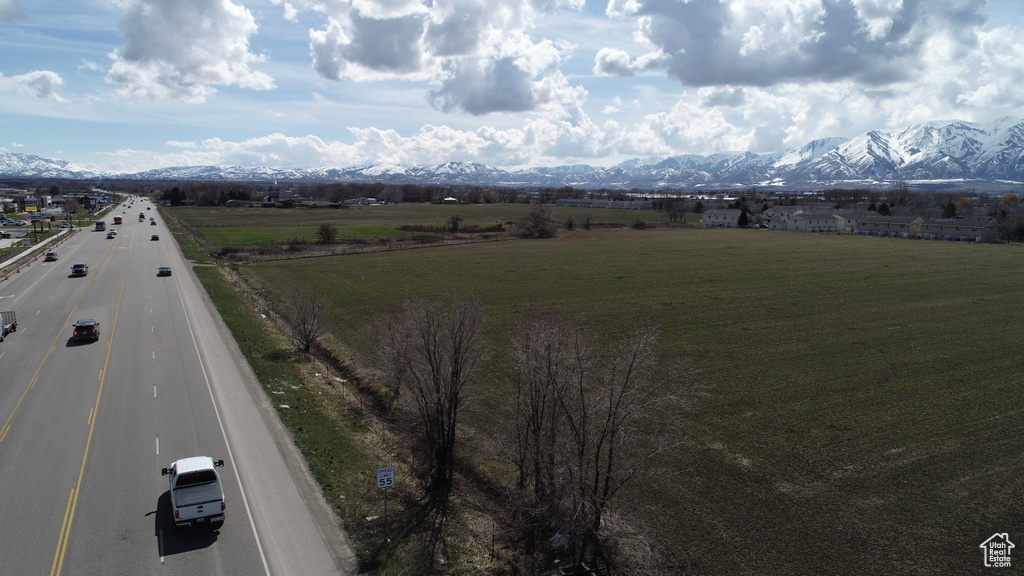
[575,437]
[71,206]
[675,209]
[436,363]
[307,312]
[390,336]
[900,193]
[548,354]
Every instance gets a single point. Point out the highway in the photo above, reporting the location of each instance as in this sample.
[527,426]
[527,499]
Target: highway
[86,427]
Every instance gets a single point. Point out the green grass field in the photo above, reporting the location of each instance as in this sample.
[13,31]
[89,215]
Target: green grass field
[253,226]
[864,410]
[256,235]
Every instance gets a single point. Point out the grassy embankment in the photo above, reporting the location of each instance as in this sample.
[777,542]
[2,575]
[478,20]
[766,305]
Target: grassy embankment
[864,410]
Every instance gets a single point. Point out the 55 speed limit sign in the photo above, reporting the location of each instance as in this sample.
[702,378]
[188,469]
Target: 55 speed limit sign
[386,477]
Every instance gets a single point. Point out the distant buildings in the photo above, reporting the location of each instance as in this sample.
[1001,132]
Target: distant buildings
[361,201]
[725,218]
[802,219]
[617,204]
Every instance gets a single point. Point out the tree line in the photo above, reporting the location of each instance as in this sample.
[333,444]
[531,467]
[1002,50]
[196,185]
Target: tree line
[1006,208]
[581,427]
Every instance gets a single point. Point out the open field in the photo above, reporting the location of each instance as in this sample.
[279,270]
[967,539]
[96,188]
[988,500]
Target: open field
[252,226]
[256,235]
[864,411]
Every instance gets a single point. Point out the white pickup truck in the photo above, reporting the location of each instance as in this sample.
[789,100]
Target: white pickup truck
[197,496]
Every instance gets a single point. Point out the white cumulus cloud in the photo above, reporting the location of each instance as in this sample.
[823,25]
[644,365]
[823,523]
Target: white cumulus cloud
[183,49]
[767,42]
[9,11]
[617,62]
[775,74]
[479,53]
[510,83]
[40,83]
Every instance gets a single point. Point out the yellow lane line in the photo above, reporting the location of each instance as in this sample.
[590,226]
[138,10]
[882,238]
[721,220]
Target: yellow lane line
[35,377]
[53,346]
[62,541]
[67,512]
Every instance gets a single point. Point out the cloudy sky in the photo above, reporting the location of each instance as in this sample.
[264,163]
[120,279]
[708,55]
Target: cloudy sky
[129,85]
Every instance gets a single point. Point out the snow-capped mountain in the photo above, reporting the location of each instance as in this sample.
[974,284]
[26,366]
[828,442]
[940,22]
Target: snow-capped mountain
[935,152]
[26,166]
[810,151]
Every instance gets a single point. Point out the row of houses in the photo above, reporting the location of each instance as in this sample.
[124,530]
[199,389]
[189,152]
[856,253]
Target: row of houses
[797,219]
[613,204]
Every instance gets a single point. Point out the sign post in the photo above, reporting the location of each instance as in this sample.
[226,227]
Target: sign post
[385,480]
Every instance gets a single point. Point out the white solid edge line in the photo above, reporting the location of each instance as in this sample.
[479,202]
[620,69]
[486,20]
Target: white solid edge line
[220,422]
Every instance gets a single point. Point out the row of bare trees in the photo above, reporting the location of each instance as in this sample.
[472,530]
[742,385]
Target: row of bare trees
[429,353]
[575,440]
[584,417]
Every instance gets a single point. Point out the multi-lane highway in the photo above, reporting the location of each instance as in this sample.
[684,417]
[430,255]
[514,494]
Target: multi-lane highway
[86,427]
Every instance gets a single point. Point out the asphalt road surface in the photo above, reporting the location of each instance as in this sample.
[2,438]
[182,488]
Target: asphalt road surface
[85,427]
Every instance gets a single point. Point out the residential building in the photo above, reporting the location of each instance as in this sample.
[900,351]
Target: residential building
[972,229]
[891,226]
[596,203]
[727,218]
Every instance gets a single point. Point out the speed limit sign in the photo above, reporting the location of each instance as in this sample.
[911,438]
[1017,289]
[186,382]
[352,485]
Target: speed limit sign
[386,477]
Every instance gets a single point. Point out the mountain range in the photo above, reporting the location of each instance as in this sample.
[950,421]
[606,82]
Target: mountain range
[934,154]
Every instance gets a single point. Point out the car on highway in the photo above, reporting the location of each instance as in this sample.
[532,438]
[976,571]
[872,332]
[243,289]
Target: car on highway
[154,237]
[163,271]
[152,222]
[197,496]
[50,257]
[79,269]
[8,323]
[86,330]
[111,235]
[67,225]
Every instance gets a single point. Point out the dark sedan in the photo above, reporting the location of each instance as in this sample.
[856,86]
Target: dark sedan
[86,330]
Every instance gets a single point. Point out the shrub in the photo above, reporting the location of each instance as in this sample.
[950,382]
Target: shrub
[539,224]
[326,233]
